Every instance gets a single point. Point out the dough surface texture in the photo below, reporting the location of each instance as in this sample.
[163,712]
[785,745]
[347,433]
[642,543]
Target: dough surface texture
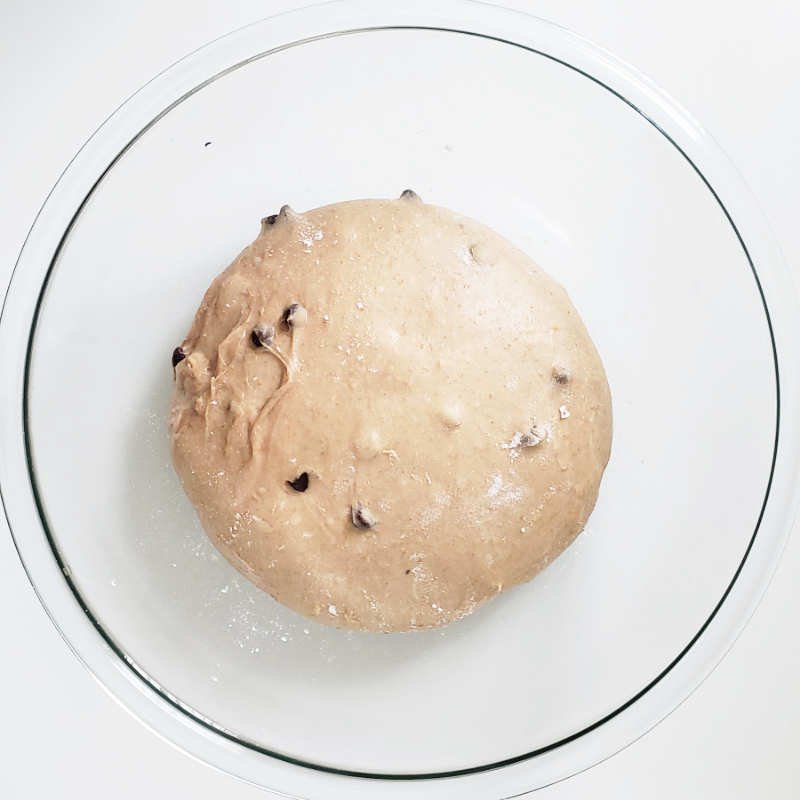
[385,414]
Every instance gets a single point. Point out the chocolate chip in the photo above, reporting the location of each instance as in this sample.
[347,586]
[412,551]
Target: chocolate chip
[560,375]
[409,194]
[207,144]
[262,336]
[294,316]
[178,354]
[408,572]
[300,483]
[533,437]
[285,213]
[362,517]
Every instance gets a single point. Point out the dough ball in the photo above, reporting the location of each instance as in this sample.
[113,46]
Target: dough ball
[385,414]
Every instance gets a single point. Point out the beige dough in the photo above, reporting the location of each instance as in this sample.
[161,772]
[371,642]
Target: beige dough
[437,390]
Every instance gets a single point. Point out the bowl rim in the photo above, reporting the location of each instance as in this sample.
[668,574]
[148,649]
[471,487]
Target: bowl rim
[138,692]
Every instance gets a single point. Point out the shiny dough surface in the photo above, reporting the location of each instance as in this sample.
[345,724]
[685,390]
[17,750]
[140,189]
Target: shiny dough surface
[385,414]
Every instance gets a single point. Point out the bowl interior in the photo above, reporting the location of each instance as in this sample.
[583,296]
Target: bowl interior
[571,174]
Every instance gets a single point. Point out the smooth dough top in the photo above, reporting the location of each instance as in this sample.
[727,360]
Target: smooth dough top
[386,414]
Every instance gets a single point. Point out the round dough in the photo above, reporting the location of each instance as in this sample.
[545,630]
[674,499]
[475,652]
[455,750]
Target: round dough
[429,428]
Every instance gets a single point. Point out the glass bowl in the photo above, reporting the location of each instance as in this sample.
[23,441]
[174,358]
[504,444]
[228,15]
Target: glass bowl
[581,162]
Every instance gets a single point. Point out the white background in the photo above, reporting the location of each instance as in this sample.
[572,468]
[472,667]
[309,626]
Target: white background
[65,66]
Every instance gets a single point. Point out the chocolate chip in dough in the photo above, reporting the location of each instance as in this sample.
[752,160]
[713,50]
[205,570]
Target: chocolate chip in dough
[178,354]
[362,517]
[532,437]
[262,336]
[294,316]
[561,375]
[300,483]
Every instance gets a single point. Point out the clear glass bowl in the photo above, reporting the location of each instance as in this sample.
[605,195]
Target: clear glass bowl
[576,158]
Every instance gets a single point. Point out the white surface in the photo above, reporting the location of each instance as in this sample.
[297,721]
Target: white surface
[629,594]
[748,707]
